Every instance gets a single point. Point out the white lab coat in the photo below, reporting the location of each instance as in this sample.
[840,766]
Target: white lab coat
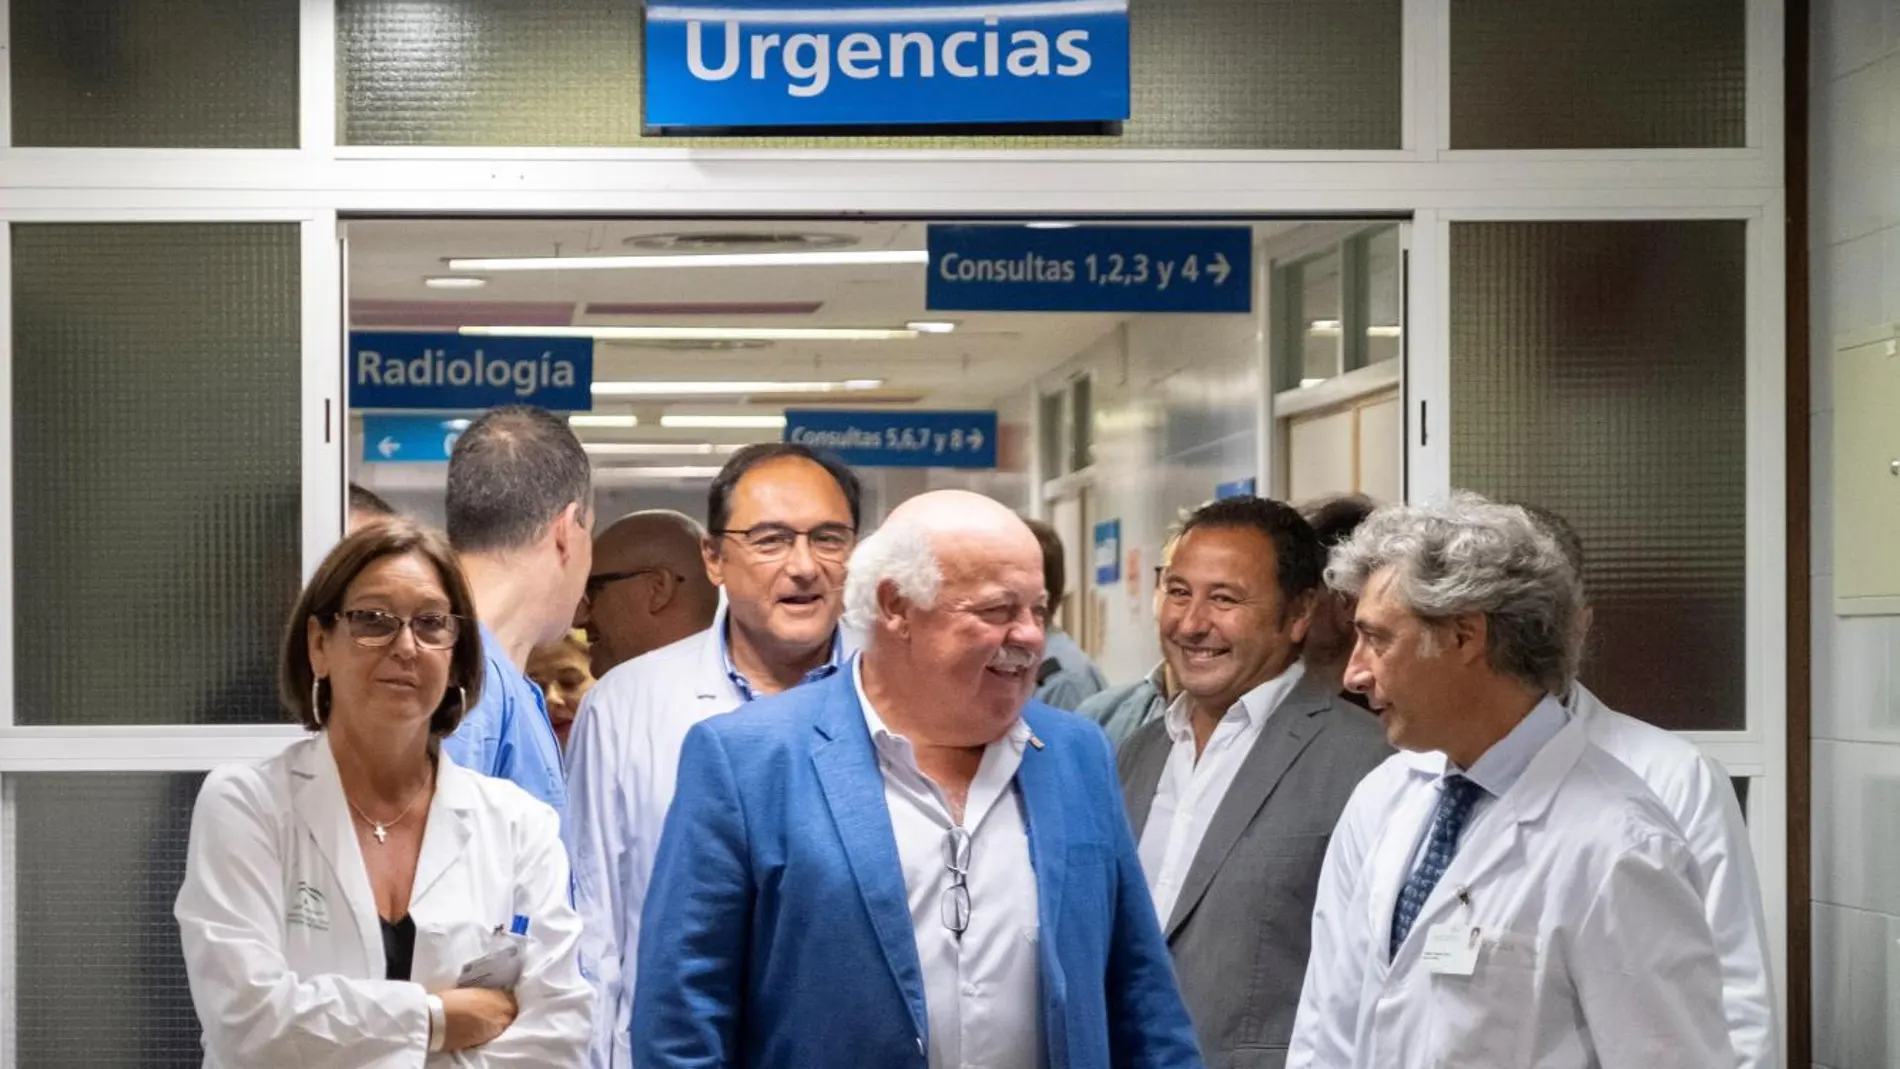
[1594,953]
[1698,795]
[622,762]
[284,948]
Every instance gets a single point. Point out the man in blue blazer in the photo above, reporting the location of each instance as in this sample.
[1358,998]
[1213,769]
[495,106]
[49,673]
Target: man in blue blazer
[909,864]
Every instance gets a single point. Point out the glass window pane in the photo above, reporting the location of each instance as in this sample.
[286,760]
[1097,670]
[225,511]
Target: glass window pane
[1081,423]
[157,468]
[137,74]
[98,858]
[1556,74]
[1234,74]
[1598,369]
[1318,317]
[1381,296]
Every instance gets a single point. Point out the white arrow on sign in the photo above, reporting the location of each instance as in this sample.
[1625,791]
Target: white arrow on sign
[388,447]
[1220,268]
[975,440]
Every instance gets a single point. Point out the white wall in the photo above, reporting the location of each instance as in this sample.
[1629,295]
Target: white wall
[1855,245]
[1176,408]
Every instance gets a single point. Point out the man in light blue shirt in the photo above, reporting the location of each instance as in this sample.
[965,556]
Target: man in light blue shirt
[520,513]
[1067,677]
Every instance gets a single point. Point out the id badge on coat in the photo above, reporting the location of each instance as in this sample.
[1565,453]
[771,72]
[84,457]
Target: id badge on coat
[500,968]
[1451,949]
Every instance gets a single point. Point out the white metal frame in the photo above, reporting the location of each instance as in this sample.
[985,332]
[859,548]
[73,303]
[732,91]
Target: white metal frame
[1423,179]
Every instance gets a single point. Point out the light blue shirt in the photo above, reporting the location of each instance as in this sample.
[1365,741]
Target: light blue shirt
[1074,677]
[1498,769]
[744,686]
[508,734]
[1124,710]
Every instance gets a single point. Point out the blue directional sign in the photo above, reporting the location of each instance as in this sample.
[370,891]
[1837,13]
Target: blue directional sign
[898,439]
[409,439]
[1090,269]
[1237,488]
[437,371]
[762,64]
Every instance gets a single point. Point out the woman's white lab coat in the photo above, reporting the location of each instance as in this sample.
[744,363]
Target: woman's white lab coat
[284,947]
[1593,949]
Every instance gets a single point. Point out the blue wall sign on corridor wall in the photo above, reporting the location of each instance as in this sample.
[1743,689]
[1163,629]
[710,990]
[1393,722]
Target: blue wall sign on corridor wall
[760,64]
[410,439]
[1090,269]
[450,371]
[899,438]
[1237,488]
[1108,552]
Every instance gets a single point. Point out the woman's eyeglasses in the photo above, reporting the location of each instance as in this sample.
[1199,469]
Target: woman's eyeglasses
[374,627]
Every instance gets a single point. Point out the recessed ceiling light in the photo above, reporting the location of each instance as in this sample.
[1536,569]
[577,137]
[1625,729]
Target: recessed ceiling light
[931,326]
[455,282]
[742,387]
[697,333]
[724,423]
[1323,326]
[656,449]
[580,419]
[1376,331]
[850,258]
[1051,225]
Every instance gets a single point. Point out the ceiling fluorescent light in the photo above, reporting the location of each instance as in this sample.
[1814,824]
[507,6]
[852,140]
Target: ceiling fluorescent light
[724,423]
[1323,326]
[1050,225]
[683,389]
[1384,332]
[454,282]
[735,259]
[581,419]
[612,475]
[930,326]
[605,333]
[657,449]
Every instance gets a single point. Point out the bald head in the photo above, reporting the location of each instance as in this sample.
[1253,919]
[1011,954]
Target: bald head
[950,596]
[648,588]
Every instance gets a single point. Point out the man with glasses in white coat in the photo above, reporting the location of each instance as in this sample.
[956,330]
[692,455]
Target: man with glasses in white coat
[782,521]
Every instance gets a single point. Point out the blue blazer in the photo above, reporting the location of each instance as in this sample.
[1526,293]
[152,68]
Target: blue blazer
[777,933]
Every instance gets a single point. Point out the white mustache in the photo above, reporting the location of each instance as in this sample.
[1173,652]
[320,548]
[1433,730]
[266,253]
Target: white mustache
[1010,658]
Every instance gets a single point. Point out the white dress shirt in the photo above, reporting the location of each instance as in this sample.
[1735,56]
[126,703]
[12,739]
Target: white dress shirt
[1191,790]
[982,991]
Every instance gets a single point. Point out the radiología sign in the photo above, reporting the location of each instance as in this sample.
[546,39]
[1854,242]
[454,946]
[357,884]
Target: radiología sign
[1090,269]
[396,370]
[900,439]
[777,63]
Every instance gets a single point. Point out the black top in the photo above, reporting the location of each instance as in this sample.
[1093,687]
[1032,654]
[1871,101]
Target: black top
[399,947]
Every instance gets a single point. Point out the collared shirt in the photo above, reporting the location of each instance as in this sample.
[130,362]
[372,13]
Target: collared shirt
[982,992]
[1069,676]
[508,734]
[744,686]
[1498,769]
[1191,788]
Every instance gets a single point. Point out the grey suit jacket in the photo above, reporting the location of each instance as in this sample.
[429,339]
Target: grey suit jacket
[1242,925]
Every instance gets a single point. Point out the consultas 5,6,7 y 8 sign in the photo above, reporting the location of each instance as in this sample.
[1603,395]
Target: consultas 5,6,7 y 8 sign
[759,64]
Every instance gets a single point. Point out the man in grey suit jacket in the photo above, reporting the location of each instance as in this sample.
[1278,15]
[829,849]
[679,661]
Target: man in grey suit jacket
[1234,791]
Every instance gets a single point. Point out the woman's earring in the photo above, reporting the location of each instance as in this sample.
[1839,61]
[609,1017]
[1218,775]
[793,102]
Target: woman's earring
[316,701]
[464,693]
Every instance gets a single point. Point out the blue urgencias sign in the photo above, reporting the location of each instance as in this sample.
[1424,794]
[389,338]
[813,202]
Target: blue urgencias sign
[899,439]
[1090,269]
[395,370]
[409,439]
[776,63]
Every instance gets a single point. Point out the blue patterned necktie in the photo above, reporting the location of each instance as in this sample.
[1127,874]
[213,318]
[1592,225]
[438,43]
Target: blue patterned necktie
[1454,808]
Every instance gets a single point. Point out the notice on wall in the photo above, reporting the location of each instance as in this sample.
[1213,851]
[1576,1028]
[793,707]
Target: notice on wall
[1108,552]
[410,439]
[1237,488]
[760,65]
[450,371]
[1195,269]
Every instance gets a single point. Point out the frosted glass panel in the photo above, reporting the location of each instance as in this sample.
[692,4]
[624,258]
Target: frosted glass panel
[1238,74]
[1557,74]
[1598,369]
[157,469]
[98,858]
[141,74]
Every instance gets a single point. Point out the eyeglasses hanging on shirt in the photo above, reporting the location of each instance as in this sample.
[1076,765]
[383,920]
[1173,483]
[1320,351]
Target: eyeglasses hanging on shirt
[955,904]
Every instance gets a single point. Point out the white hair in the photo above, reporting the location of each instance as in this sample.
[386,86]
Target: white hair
[899,553]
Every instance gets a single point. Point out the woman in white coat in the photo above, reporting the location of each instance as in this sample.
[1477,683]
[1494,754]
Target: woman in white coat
[359,900]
